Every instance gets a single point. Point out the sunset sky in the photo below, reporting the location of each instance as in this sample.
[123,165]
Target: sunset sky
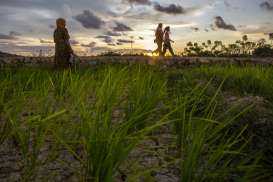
[98,25]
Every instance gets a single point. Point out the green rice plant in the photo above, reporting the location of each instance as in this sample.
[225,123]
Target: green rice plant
[4,127]
[30,136]
[146,92]
[208,150]
[25,113]
[60,81]
[244,80]
[209,147]
[107,143]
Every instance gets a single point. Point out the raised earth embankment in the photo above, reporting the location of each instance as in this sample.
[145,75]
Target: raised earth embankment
[168,61]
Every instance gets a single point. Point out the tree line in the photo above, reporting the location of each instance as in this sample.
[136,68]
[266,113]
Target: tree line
[242,48]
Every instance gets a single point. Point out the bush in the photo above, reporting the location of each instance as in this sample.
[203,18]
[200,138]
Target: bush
[265,51]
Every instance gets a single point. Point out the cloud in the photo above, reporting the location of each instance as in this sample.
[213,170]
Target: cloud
[18,49]
[105,38]
[221,24]
[196,29]
[46,41]
[11,36]
[14,33]
[266,6]
[227,4]
[6,37]
[263,29]
[125,41]
[98,50]
[111,44]
[170,9]
[211,26]
[142,2]
[90,45]
[74,42]
[89,20]
[120,27]
[51,26]
[114,34]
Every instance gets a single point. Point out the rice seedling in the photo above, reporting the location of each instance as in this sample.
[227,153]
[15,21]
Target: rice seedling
[101,115]
[244,80]
[107,143]
[206,153]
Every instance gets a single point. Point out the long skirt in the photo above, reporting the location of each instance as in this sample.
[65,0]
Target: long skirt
[62,56]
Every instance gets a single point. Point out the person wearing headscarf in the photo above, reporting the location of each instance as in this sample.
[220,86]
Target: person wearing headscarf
[167,42]
[63,50]
[159,39]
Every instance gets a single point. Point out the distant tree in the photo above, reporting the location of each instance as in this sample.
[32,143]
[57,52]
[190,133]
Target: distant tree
[245,38]
[243,47]
[189,44]
[209,46]
[261,42]
[209,42]
[271,38]
[249,47]
[243,42]
[110,53]
[217,47]
[233,49]
[263,51]
[197,49]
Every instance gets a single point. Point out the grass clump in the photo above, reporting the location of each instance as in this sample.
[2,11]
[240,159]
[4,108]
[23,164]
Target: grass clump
[101,116]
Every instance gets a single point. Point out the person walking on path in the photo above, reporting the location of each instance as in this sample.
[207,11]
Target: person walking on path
[159,39]
[63,50]
[167,42]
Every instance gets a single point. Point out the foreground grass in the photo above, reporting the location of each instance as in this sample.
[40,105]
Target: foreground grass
[101,116]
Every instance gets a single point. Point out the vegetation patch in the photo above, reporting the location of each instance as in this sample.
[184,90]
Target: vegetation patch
[136,123]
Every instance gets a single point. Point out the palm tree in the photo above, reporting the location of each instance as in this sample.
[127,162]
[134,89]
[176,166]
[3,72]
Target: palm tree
[271,38]
[261,43]
[249,47]
[233,49]
[245,38]
[217,47]
[243,43]
[209,45]
[186,52]
[189,48]
[189,44]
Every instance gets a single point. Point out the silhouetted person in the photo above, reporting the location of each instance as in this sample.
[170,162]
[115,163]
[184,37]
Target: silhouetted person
[63,50]
[167,42]
[159,39]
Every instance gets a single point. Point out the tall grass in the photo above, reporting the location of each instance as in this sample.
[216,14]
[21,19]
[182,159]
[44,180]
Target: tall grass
[207,149]
[101,115]
[243,80]
[107,143]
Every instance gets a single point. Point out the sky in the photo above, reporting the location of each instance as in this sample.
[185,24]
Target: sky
[27,26]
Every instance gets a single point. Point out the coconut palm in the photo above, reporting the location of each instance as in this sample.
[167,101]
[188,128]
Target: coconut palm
[271,38]
[245,38]
[217,47]
[261,42]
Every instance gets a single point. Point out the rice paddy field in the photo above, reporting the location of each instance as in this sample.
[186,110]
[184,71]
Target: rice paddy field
[137,123]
